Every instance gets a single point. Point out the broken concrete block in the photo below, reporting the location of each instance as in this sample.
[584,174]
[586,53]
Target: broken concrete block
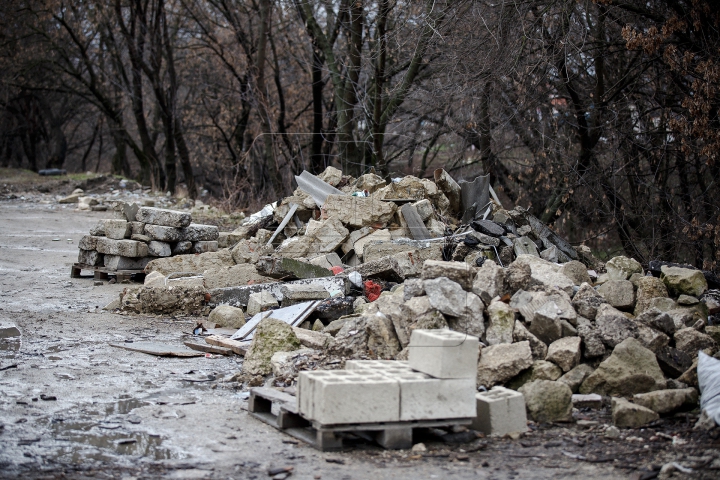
[614,327]
[546,323]
[565,353]
[489,281]
[667,401]
[270,336]
[576,271]
[289,269]
[499,363]
[443,353]
[116,262]
[651,338]
[359,211]
[458,272]
[293,294]
[328,237]
[575,377]
[593,345]
[167,218]
[164,300]
[378,236]
[446,295]
[537,347]
[501,323]
[548,401]
[622,268]
[586,301]
[673,362]
[626,414]
[260,302]
[591,400]
[243,274]
[382,340]
[660,321]
[197,233]
[471,321]
[540,370]
[239,296]
[192,263]
[140,238]
[155,279]
[88,242]
[327,261]
[311,339]
[227,316]
[159,249]
[163,234]
[369,182]
[348,396]
[546,274]
[90,257]
[630,369]
[123,248]
[648,289]
[618,293]
[8,330]
[116,229]
[424,209]
[683,280]
[204,247]
[689,340]
[500,411]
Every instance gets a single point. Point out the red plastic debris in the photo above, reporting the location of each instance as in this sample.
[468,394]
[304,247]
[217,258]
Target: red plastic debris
[372,290]
[337,270]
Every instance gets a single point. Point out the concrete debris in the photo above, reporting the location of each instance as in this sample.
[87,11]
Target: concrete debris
[349,269]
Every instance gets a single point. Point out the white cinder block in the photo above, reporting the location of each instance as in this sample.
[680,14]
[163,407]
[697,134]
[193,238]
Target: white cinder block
[500,411]
[425,398]
[333,397]
[379,366]
[443,353]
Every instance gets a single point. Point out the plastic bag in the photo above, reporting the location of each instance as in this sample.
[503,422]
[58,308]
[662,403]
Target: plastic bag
[708,372]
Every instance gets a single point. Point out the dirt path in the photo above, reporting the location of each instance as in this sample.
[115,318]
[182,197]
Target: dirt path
[75,406]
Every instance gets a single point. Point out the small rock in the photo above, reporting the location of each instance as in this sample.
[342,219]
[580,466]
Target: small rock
[690,341]
[626,414]
[499,363]
[575,377]
[565,353]
[618,293]
[621,268]
[666,401]
[612,432]
[591,400]
[547,401]
[419,447]
[680,280]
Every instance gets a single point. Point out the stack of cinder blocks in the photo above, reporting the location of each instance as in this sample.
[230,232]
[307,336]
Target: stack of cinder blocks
[154,232]
[437,383]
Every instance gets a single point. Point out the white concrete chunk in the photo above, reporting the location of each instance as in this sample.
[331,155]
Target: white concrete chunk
[443,353]
[159,249]
[425,398]
[200,233]
[500,411]
[123,248]
[204,247]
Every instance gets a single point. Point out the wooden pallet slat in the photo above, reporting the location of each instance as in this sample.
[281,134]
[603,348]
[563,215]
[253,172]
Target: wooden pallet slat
[279,410]
[101,272]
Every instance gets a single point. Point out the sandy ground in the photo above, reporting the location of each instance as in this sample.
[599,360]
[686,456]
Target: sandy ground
[73,406]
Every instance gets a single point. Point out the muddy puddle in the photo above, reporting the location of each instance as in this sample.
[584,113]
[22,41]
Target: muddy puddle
[77,441]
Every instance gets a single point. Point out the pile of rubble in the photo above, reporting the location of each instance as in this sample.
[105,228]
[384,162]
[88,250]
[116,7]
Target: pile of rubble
[366,263]
[146,233]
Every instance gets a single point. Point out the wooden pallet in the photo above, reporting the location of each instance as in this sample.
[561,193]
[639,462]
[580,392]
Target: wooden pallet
[279,410]
[102,273]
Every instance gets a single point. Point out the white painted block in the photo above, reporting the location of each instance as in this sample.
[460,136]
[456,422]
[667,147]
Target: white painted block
[425,398]
[500,411]
[333,397]
[443,353]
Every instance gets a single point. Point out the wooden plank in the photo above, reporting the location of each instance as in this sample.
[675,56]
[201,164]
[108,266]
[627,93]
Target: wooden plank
[207,348]
[415,223]
[158,349]
[237,347]
[316,188]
